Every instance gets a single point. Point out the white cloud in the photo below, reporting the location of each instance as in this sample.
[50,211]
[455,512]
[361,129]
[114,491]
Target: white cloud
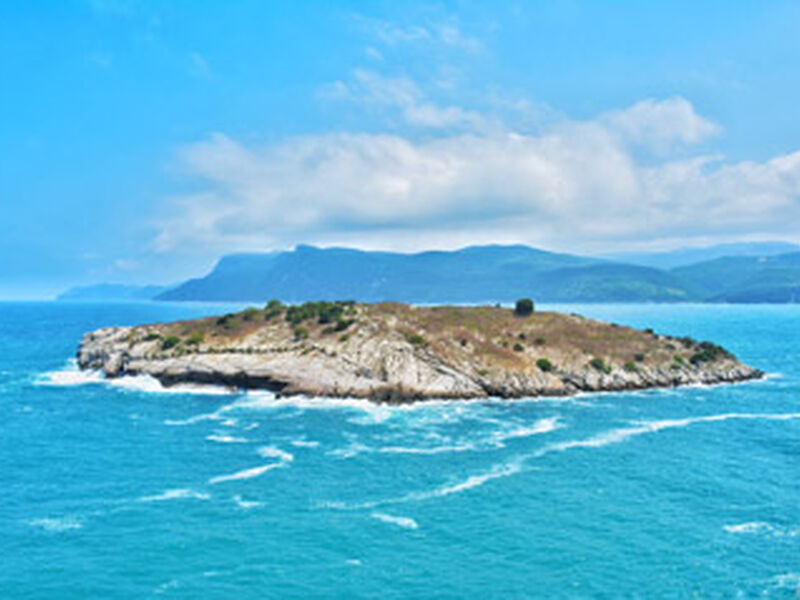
[369,88]
[445,33]
[576,185]
[659,124]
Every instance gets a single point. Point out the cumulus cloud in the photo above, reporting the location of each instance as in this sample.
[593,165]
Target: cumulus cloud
[402,94]
[660,124]
[443,33]
[577,183]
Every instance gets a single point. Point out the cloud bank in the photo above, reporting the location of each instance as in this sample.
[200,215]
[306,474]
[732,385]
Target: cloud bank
[610,180]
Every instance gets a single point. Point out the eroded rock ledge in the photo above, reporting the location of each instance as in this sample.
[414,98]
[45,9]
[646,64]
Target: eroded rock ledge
[395,352]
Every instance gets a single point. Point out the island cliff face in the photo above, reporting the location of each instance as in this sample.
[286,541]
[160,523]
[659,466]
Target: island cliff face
[396,352]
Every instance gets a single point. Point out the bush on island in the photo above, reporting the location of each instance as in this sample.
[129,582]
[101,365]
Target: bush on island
[523,307]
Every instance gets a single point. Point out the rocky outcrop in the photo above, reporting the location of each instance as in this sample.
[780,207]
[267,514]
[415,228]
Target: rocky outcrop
[394,353]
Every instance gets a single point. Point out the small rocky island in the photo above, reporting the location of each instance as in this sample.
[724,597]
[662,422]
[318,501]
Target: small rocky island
[395,352]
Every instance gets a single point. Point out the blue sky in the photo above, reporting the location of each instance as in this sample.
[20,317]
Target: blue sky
[141,140]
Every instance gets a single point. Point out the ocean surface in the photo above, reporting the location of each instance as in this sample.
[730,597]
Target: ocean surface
[125,490]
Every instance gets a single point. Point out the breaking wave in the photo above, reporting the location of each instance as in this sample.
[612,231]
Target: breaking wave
[404,522]
[176,494]
[761,527]
[56,524]
[72,375]
[244,474]
[226,439]
[245,504]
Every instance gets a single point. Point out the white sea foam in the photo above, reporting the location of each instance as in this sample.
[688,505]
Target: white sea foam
[515,466]
[404,522]
[787,581]
[275,452]
[226,439]
[176,494]
[56,524]
[69,375]
[540,427]
[750,527]
[246,504]
[72,375]
[425,450]
[761,527]
[621,434]
[245,474]
[473,481]
[353,562]
[305,444]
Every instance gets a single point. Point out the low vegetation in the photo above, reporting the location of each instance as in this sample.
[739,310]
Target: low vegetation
[523,307]
[481,338]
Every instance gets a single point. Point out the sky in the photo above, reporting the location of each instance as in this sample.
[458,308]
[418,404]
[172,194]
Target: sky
[140,141]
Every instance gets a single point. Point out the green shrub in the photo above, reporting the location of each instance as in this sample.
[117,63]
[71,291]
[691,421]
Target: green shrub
[522,335]
[273,309]
[678,360]
[196,337]
[544,365]
[638,357]
[708,352]
[415,339]
[523,307]
[324,312]
[227,321]
[344,338]
[463,342]
[518,347]
[342,324]
[250,314]
[631,367]
[170,342]
[152,336]
[300,333]
[600,365]
[540,341]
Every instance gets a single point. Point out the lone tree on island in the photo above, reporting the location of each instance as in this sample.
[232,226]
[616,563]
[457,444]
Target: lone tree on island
[524,307]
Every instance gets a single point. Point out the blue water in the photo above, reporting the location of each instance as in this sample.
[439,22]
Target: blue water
[120,492]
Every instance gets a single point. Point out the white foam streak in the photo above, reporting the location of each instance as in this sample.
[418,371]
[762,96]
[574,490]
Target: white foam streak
[275,452]
[305,444]
[756,527]
[246,504]
[245,474]
[72,375]
[226,439]
[423,450]
[56,525]
[616,436]
[176,494]
[404,522]
[500,471]
[69,376]
[541,426]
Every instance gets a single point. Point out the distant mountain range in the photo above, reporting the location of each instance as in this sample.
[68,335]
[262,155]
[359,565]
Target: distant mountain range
[480,274]
[689,256]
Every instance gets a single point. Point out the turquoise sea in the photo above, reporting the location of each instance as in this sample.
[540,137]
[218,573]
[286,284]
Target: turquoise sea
[127,491]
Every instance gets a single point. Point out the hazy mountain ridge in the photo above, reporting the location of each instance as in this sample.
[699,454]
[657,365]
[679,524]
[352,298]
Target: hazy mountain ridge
[683,257]
[474,274]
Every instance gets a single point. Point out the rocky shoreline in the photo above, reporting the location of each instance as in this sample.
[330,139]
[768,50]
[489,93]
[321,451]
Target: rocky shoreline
[399,353]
